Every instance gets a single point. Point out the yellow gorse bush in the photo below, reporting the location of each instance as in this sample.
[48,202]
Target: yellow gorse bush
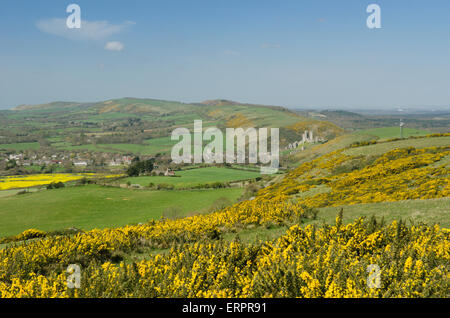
[330,261]
[400,174]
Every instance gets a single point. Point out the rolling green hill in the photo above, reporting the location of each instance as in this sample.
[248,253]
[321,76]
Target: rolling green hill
[152,110]
[140,126]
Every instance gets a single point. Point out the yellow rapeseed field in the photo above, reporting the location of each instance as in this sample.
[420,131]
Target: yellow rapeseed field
[28,181]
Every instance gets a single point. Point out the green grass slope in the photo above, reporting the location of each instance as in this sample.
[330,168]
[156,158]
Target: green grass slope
[383,147]
[432,211]
[89,207]
[393,132]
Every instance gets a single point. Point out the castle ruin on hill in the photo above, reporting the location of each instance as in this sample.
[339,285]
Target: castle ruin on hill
[307,137]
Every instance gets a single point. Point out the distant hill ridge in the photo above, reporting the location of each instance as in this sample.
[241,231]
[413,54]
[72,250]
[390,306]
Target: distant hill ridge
[161,116]
[118,104]
[57,104]
[219,102]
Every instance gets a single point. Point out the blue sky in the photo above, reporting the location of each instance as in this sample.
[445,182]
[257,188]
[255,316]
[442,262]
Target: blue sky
[310,53]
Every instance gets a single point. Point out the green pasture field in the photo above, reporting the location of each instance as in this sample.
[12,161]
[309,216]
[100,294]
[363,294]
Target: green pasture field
[393,132]
[21,146]
[384,147]
[150,147]
[193,177]
[92,206]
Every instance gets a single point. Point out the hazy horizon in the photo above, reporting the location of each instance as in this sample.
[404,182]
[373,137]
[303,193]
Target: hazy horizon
[299,107]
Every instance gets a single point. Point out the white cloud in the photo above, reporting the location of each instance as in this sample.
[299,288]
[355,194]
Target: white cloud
[114,46]
[90,30]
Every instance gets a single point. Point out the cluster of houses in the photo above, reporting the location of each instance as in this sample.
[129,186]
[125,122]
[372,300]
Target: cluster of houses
[120,161]
[76,159]
[22,159]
